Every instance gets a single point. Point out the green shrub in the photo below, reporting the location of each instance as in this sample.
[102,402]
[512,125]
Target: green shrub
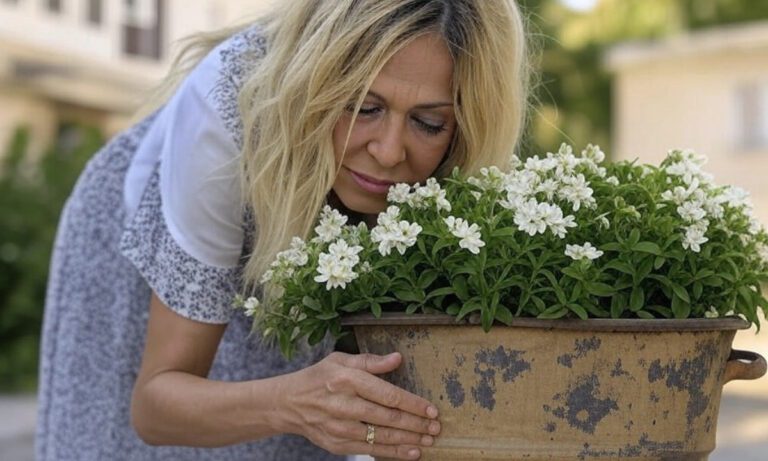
[32,193]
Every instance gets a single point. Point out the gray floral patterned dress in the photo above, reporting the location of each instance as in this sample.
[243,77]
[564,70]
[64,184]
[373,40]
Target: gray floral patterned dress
[112,250]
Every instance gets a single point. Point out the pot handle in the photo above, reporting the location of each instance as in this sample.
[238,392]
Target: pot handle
[744,365]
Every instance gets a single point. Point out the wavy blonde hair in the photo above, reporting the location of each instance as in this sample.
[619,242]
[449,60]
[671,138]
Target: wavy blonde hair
[322,56]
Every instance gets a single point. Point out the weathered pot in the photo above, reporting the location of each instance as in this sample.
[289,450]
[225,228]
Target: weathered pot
[566,389]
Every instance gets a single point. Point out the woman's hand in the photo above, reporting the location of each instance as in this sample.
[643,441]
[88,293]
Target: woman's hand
[332,402]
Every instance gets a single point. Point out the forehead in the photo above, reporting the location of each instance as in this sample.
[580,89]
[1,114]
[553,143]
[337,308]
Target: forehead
[424,66]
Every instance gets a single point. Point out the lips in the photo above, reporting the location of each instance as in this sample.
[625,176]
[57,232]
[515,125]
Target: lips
[369,184]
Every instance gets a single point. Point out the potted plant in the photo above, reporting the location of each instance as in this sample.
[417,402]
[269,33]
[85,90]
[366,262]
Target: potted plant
[563,309]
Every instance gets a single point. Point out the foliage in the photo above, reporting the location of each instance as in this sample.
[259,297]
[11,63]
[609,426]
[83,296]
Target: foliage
[572,96]
[32,193]
[555,237]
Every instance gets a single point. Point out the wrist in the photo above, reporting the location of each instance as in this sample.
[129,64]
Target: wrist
[274,393]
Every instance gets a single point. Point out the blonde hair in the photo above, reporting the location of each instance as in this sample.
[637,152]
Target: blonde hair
[323,55]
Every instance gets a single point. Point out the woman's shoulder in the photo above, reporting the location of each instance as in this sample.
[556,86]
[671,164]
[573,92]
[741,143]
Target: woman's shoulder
[232,62]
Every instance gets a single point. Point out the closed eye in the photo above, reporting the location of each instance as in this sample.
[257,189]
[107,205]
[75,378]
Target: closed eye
[429,128]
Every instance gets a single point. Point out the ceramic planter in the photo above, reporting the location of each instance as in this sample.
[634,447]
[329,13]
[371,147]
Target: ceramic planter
[560,390]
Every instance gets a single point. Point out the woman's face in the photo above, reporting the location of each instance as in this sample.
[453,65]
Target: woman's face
[404,127]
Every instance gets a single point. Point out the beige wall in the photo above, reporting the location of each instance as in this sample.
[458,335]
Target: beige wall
[80,68]
[665,98]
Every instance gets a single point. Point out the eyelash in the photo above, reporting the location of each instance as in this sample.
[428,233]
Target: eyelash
[429,129]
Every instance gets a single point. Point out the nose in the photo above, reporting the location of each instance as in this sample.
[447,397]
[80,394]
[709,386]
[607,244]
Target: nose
[387,145]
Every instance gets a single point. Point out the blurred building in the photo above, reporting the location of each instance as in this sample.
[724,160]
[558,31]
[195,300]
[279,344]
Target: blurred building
[707,91]
[92,61]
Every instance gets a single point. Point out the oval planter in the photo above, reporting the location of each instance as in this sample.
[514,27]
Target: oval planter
[560,390]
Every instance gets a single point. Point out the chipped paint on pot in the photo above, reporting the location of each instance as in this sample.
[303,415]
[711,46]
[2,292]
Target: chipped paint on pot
[566,390]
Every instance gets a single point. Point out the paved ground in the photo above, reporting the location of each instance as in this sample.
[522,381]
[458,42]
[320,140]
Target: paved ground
[742,427]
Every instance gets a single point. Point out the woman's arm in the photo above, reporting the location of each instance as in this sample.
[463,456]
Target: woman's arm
[175,404]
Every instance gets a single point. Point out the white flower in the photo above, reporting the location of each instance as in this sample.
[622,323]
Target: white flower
[540,165]
[390,233]
[593,153]
[529,219]
[553,217]
[691,212]
[469,235]
[711,313]
[432,190]
[576,190]
[604,223]
[521,183]
[399,193]
[613,180]
[735,197]
[334,271]
[330,225]
[548,187]
[694,237]
[251,306]
[762,251]
[586,251]
[342,250]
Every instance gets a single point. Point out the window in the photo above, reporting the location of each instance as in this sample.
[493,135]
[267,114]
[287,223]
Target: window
[143,28]
[53,5]
[94,12]
[752,115]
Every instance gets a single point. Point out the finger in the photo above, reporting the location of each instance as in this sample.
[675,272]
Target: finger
[372,363]
[387,435]
[379,391]
[383,451]
[387,417]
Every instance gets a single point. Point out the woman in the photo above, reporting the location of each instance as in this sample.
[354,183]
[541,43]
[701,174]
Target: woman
[324,101]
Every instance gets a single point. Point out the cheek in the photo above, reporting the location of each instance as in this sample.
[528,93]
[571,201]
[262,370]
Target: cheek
[430,156]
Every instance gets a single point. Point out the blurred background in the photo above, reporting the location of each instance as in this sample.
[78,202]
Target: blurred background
[637,77]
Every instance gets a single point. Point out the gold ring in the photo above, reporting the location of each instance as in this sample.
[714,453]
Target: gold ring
[370,436]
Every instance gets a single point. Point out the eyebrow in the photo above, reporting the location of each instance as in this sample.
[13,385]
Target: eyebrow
[429,105]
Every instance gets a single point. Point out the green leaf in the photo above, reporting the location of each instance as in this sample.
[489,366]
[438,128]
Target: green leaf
[645,268]
[413,307]
[460,286]
[554,312]
[327,315]
[442,291]
[376,310]
[637,299]
[470,306]
[410,296]
[504,232]
[620,266]
[647,247]
[572,273]
[578,310]
[658,262]
[645,315]
[599,289]
[426,278]
[680,292]
[698,288]
[486,319]
[312,303]
[618,305]
[680,308]
[612,246]
[504,315]
[555,286]
[634,237]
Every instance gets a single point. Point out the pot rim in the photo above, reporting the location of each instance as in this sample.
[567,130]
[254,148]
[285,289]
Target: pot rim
[638,325]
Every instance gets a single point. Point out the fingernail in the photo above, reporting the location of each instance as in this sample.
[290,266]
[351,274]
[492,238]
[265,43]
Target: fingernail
[414,453]
[427,440]
[434,427]
[432,412]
